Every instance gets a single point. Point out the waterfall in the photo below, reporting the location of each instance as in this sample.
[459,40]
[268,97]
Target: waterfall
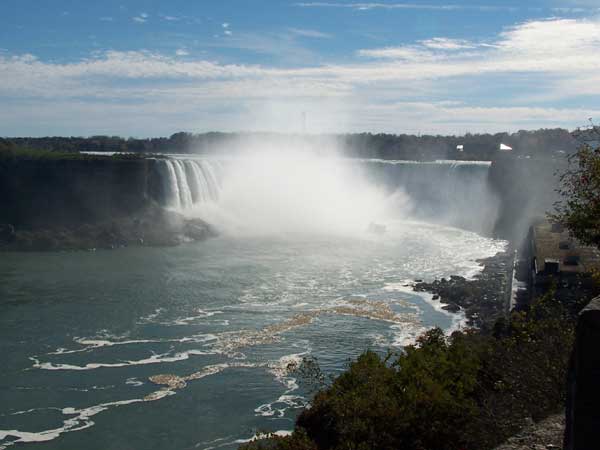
[453,192]
[188,183]
[171,187]
[185,195]
[456,193]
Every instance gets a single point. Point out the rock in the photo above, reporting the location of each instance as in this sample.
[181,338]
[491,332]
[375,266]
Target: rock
[106,239]
[170,380]
[154,226]
[198,230]
[544,435]
[7,233]
[483,298]
[452,307]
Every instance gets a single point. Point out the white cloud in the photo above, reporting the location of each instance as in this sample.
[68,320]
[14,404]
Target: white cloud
[438,43]
[226,30]
[558,46]
[555,47]
[309,33]
[401,6]
[367,6]
[569,10]
[407,53]
[141,18]
[384,89]
[577,8]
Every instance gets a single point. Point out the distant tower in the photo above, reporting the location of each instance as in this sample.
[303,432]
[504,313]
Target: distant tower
[303,122]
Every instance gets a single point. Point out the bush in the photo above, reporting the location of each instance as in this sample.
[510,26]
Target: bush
[579,207]
[466,391]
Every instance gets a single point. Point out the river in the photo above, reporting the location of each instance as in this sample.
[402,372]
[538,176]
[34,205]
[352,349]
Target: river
[81,333]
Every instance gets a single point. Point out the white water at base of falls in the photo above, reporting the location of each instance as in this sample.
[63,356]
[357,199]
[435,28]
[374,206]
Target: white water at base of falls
[299,193]
[188,183]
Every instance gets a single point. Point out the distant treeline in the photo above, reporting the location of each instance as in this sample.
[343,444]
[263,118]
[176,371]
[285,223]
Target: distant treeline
[538,143]
[12,153]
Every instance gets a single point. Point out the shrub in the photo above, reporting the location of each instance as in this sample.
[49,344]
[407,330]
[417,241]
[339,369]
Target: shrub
[467,391]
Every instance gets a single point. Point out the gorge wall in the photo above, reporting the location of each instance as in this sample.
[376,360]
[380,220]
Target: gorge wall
[62,192]
[526,189]
[499,198]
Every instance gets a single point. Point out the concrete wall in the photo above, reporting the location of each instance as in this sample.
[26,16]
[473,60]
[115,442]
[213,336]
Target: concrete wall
[583,404]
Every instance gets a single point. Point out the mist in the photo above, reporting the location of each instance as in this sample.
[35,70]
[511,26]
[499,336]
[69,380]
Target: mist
[298,190]
[295,186]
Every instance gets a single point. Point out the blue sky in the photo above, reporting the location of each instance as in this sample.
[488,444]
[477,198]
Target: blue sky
[149,68]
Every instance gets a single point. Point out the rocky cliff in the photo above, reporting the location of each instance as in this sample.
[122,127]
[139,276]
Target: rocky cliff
[49,192]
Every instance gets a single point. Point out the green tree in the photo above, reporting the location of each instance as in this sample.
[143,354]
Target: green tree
[579,208]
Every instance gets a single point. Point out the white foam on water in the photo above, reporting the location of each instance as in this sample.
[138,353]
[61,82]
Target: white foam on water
[371,309]
[258,436]
[174,382]
[28,411]
[80,421]
[459,319]
[154,359]
[281,370]
[404,335]
[92,388]
[150,317]
[92,343]
[214,441]
[229,343]
[201,314]
[288,402]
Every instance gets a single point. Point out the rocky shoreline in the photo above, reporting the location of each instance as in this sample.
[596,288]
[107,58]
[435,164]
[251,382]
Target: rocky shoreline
[154,226]
[484,298]
[544,435]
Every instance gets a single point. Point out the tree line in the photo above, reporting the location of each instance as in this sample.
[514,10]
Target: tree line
[536,143]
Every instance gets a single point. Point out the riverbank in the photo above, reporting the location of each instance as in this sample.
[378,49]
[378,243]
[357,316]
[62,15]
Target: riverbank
[484,298]
[544,435]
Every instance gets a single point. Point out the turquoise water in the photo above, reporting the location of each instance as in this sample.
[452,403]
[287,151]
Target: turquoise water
[82,333]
